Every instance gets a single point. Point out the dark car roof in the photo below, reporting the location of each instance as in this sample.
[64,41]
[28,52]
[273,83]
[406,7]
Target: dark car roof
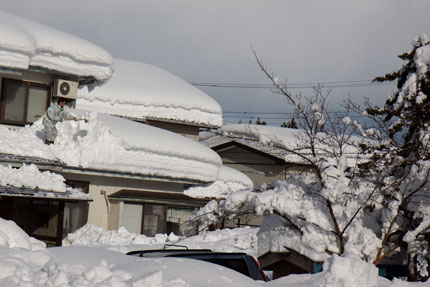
[238,261]
[173,252]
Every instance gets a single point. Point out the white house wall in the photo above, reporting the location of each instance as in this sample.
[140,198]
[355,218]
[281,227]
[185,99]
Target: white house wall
[98,209]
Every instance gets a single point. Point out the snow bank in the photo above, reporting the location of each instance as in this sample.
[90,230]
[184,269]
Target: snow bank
[229,180]
[29,176]
[226,240]
[144,91]
[25,261]
[109,143]
[25,44]
[349,271]
[340,271]
[93,235]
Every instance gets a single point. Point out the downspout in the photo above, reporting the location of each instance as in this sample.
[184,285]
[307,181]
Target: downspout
[103,192]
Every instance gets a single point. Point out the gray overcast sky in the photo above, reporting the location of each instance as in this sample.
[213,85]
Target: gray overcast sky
[304,41]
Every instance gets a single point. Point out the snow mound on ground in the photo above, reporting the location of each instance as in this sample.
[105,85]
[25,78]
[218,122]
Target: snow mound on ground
[29,176]
[11,236]
[349,270]
[143,91]
[24,261]
[24,44]
[93,235]
[229,180]
[226,240]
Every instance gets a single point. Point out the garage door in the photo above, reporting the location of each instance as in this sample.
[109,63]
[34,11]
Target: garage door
[132,217]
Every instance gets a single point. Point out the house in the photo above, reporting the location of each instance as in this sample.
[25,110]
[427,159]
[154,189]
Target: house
[260,152]
[29,76]
[250,149]
[127,173]
[148,94]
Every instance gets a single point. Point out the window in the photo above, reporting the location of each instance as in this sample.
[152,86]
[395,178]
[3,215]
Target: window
[150,218]
[23,102]
[83,186]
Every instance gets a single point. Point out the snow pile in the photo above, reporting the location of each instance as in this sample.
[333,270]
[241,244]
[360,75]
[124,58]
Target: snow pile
[226,240]
[349,271]
[109,143]
[25,44]
[24,142]
[229,180]
[93,235]
[24,261]
[29,176]
[143,91]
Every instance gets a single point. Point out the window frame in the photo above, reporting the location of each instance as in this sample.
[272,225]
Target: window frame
[27,85]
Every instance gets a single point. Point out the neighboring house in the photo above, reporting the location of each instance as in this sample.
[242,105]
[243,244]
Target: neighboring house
[244,148]
[134,174]
[146,93]
[247,148]
[262,153]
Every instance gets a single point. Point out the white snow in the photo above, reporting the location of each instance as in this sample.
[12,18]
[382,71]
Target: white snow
[25,261]
[229,180]
[143,91]
[309,228]
[285,143]
[109,143]
[29,176]
[225,240]
[26,44]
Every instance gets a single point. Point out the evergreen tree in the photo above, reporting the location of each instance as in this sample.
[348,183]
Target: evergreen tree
[406,154]
[409,106]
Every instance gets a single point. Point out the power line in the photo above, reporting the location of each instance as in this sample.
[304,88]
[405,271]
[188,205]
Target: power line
[338,84]
[278,113]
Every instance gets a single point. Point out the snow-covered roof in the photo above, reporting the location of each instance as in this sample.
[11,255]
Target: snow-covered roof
[29,181]
[29,176]
[143,91]
[258,137]
[229,180]
[275,141]
[26,44]
[112,144]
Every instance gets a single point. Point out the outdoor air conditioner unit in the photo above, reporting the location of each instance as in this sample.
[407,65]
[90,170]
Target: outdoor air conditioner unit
[66,89]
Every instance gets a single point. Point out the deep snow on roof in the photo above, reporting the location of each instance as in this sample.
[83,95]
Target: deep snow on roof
[143,91]
[284,143]
[229,180]
[109,143]
[25,44]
